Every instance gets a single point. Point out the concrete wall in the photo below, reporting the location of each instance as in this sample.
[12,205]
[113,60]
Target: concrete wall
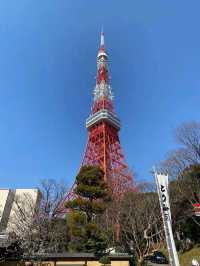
[6,201]
[25,203]
[16,203]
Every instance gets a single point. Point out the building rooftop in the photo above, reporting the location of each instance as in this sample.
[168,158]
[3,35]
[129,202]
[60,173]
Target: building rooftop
[79,256]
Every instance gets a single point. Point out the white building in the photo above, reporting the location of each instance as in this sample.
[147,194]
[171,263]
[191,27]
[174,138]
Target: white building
[17,208]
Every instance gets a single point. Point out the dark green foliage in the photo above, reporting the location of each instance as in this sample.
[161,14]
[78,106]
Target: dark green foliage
[11,251]
[105,260]
[77,221]
[190,179]
[86,205]
[133,260]
[90,183]
[184,191]
[96,240]
[91,194]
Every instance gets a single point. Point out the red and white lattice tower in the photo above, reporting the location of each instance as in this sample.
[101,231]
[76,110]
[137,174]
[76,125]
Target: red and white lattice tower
[103,146]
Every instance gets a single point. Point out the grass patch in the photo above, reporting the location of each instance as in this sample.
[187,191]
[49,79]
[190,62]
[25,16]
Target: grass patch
[186,257]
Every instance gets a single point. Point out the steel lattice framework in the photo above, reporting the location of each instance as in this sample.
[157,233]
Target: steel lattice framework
[103,146]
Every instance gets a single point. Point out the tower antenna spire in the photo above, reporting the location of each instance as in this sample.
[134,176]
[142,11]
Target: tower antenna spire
[102,41]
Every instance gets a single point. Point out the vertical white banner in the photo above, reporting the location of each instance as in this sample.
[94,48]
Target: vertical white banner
[162,188]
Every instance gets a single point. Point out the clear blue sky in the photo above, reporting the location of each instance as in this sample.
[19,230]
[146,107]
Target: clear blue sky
[47,73]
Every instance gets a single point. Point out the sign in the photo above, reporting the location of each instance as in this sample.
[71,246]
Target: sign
[196,208]
[162,188]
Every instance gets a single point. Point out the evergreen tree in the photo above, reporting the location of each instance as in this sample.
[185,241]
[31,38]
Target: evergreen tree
[91,193]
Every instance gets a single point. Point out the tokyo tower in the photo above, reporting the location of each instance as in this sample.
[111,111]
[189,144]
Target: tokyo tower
[103,145]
